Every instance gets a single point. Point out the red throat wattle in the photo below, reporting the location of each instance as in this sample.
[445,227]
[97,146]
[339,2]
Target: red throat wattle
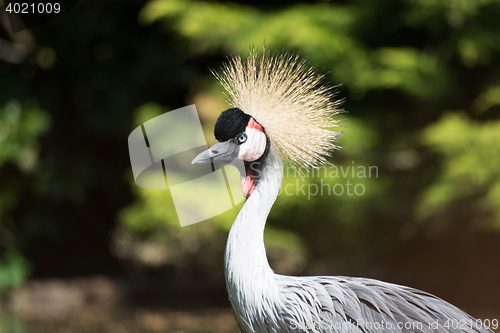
[248,184]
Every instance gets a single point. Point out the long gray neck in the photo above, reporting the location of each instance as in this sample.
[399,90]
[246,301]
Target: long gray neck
[248,274]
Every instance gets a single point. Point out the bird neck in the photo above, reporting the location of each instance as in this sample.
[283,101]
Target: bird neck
[246,267]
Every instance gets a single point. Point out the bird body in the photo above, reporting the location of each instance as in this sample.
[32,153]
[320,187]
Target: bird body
[265,302]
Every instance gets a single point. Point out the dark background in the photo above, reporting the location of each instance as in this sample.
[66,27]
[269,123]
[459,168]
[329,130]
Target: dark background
[421,86]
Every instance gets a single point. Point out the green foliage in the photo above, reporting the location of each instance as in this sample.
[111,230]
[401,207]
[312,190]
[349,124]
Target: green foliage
[471,164]
[326,31]
[488,99]
[19,130]
[14,269]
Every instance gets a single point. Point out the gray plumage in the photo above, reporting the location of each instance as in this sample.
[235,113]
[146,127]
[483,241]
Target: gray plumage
[267,302]
[276,92]
[346,304]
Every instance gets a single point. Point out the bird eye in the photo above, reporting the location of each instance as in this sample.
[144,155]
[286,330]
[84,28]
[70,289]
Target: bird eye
[241,138]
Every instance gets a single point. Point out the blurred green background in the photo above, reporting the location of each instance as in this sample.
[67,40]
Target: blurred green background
[83,249]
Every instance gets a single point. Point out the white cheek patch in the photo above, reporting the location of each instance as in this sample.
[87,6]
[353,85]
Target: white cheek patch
[255,145]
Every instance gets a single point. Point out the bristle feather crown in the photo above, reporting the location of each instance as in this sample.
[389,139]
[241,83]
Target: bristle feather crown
[283,94]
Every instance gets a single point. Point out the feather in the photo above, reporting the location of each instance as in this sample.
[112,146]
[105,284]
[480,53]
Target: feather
[286,98]
[283,94]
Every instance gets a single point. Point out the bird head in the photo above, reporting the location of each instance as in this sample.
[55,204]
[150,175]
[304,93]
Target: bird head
[277,102]
[240,136]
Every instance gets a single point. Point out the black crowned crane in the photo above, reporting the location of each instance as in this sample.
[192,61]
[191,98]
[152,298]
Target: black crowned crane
[280,111]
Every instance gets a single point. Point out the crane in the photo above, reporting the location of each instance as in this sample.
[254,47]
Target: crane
[280,111]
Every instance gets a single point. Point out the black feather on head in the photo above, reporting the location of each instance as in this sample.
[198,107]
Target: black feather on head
[230,123]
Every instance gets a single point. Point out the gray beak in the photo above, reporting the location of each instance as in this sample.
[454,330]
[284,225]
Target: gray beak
[224,152]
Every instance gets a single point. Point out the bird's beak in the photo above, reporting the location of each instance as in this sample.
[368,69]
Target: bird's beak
[224,152]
